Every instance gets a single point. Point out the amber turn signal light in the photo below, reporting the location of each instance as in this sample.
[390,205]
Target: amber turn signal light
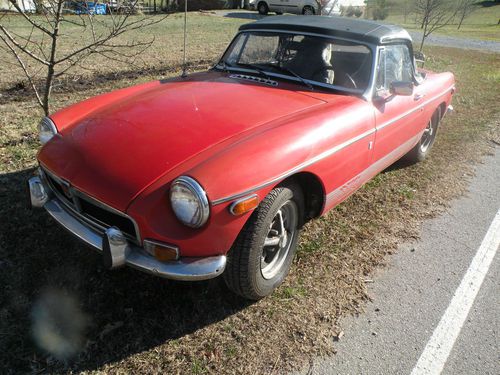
[244,205]
[162,252]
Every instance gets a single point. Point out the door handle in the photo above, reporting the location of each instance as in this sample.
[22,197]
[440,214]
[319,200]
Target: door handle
[418,97]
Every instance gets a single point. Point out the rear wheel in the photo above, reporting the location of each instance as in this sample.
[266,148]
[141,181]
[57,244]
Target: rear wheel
[424,145]
[308,11]
[262,254]
[263,8]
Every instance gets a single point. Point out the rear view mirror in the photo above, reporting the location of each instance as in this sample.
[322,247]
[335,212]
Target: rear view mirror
[402,88]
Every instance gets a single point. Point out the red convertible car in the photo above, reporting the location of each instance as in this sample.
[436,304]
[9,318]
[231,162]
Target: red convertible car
[215,173]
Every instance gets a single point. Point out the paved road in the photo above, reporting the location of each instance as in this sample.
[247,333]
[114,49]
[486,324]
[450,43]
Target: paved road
[464,43]
[433,39]
[412,294]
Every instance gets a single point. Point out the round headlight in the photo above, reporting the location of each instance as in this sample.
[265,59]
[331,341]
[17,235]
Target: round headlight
[189,202]
[46,130]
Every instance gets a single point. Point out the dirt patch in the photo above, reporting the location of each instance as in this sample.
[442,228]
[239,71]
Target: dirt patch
[138,323]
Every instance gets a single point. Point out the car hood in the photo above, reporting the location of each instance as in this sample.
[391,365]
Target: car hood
[117,150]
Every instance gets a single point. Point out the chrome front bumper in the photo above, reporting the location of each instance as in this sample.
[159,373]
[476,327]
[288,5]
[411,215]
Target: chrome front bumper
[117,250]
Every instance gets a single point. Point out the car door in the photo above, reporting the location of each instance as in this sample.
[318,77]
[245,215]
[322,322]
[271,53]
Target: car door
[294,6]
[278,6]
[399,119]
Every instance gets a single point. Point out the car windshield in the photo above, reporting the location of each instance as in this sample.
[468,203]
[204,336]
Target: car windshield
[309,59]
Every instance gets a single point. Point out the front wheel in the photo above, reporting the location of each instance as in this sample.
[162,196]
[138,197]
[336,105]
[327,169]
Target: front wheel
[262,254]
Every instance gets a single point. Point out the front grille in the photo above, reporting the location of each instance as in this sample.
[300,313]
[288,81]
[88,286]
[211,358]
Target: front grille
[90,211]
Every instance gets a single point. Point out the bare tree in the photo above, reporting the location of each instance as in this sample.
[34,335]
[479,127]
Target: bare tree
[433,15]
[465,8]
[326,7]
[39,55]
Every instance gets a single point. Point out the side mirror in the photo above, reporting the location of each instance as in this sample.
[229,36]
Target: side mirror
[402,88]
[419,58]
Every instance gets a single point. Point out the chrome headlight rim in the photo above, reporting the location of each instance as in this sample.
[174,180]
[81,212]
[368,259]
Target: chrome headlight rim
[46,130]
[201,196]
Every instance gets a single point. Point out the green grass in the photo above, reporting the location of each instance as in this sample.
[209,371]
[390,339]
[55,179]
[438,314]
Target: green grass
[172,327]
[208,36]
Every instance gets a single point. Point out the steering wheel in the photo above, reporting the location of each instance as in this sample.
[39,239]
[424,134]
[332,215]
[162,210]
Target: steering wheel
[350,80]
[322,69]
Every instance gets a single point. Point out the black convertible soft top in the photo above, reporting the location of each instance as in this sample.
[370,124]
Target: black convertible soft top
[341,27]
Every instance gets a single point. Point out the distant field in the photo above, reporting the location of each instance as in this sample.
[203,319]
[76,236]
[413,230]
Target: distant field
[481,24]
[207,39]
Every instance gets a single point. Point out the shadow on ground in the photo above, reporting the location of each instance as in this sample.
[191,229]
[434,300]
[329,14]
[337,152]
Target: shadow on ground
[127,312]
[21,91]
[244,15]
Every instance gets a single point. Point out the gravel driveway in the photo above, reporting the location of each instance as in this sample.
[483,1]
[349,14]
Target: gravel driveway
[464,43]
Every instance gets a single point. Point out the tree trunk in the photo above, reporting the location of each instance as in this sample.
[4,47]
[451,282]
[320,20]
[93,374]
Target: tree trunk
[52,61]
[461,19]
[424,35]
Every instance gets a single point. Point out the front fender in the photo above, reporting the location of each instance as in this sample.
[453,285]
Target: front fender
[253,164]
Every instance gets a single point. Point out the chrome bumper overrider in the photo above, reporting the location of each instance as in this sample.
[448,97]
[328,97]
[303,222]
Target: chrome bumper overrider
[117,251]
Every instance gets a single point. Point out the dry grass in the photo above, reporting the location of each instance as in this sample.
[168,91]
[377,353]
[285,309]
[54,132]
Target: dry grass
[481,24]
[137,323]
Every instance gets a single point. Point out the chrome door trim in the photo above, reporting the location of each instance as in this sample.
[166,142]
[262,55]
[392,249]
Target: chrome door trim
[301,166]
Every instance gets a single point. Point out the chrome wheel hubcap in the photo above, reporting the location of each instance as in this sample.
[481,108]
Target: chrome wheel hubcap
[279,239]
[427,137]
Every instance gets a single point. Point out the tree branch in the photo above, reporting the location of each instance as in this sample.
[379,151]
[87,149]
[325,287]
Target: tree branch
[24,68]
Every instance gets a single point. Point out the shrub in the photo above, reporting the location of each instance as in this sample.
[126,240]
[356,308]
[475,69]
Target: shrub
[358,12]
[349,11]
[380,12]
[194,5]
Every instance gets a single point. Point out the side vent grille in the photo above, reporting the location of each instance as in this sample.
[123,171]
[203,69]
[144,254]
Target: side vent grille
[254,79]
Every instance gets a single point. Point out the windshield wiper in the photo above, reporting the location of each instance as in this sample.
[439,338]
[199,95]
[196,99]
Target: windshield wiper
[290,71]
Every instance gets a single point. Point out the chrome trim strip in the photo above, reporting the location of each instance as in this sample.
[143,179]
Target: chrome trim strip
[353,184]
[407,113]
[89,219]
[73,225]
[47,121]
[311,161]
[326,153]
[199,192]
[183,269]
[231,208]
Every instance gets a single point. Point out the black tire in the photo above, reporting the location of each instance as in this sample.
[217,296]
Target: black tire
[424,145]
[248,271]
[308,10]
[262,8]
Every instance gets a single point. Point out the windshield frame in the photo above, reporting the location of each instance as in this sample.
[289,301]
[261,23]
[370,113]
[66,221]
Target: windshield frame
[366,93]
